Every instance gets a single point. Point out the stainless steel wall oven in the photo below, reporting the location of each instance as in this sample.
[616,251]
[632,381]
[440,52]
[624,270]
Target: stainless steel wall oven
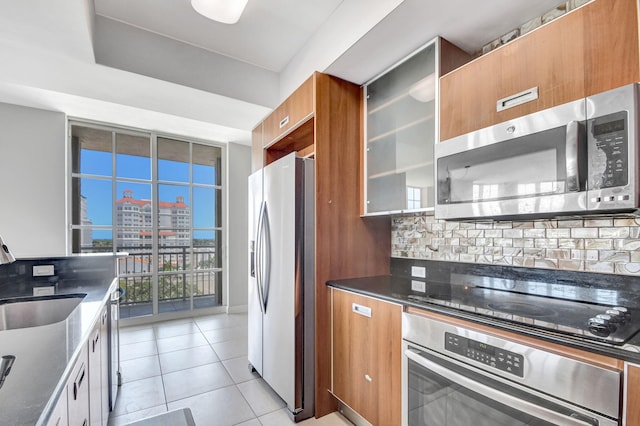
[459,376]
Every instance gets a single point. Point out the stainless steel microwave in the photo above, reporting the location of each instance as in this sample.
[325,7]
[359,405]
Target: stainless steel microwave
[576,158]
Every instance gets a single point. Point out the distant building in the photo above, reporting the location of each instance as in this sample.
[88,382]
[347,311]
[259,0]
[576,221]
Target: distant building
[134,222]
[86,239]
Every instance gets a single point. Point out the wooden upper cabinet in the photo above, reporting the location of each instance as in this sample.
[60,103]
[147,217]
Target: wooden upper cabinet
[611,44]
[589,50]
[257,153]
[549,58]
[292,112]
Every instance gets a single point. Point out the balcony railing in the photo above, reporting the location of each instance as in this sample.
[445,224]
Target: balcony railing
[177,279]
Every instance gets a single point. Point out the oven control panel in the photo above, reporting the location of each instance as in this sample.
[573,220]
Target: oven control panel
[493,356]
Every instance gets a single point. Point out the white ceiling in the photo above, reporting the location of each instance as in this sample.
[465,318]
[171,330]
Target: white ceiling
[268,34]
[157,64]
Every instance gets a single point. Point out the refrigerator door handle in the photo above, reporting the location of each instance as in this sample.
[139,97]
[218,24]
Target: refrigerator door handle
[267,257]
[252,266]
[258,251]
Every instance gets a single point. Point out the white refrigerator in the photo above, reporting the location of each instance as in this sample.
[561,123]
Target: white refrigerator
[281,280]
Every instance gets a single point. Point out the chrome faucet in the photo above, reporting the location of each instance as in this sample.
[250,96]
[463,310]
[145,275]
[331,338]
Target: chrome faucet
[5,253]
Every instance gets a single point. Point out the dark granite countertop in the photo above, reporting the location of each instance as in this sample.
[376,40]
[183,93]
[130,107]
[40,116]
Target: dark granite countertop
[45,355]
[600,288]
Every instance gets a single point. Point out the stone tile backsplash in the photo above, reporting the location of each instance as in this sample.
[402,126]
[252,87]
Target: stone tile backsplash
[610,245]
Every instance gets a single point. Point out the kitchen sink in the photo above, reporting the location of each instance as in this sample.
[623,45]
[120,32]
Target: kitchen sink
[36,311]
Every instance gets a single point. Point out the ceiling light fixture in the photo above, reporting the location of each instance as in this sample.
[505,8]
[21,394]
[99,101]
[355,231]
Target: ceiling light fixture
[225,11]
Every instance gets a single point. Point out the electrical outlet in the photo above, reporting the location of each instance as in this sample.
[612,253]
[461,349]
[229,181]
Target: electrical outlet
[418,286]
[44,291]
[43,271]
[419,271]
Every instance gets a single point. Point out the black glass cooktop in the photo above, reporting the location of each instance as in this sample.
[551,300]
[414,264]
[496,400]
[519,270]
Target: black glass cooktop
[585,312]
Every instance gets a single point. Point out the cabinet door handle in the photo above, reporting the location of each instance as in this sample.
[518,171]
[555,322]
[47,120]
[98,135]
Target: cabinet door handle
[517,99]
[78,383]
[368,378]
[284,121]
[361,309]
[95,342]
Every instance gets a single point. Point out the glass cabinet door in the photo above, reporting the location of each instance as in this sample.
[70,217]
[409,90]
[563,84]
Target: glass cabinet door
[400,133]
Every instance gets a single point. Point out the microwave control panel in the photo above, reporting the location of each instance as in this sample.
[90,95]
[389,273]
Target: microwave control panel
[493,356]
[608,151]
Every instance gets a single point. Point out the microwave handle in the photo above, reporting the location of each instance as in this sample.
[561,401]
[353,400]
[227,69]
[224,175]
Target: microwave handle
[571,156]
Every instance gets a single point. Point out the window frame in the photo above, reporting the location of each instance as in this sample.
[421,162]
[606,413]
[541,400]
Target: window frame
[154,183]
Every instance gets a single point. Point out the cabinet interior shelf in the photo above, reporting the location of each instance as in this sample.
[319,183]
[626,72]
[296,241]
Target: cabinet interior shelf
[401,128]
[401,170]
[307,152]
[300,139]
[402,96]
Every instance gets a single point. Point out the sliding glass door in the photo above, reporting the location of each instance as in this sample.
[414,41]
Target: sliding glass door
[158,199]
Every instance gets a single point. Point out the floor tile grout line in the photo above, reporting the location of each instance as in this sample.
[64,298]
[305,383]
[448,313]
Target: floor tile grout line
[248,404]
[154,327]
[164,389]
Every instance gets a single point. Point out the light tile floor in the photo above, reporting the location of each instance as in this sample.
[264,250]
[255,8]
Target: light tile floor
[200,363]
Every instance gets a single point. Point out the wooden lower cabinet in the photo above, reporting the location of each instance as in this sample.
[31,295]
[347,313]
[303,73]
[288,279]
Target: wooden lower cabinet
[632,395]
[366,356]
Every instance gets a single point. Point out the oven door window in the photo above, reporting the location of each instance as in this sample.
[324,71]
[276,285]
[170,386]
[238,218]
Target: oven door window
[434,400]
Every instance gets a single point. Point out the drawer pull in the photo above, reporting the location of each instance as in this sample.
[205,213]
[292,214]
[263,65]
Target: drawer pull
[78,383]
[517,99]
[368,378]
[362,310]
[95,342]
[284,121]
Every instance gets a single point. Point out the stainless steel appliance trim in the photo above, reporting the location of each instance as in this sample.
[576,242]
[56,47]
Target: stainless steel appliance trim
[308,341]
[539,121]
[517,99]
[267,258]
[545,205]
[626,98]
[113,326]
[571,156]
[571,378]
[284,325]
[538,206]
[259,271]
[504,398]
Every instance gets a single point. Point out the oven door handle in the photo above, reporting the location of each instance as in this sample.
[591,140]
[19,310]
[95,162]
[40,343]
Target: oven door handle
[492,393]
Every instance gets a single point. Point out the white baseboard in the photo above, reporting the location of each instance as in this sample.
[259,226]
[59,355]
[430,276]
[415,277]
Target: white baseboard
[239,309]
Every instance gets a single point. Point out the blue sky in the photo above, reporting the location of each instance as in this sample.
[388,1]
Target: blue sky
[98,191]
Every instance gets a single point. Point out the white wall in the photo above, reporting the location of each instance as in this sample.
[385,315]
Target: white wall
[33,185]
[32,181]
[125,47]
[239,169]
